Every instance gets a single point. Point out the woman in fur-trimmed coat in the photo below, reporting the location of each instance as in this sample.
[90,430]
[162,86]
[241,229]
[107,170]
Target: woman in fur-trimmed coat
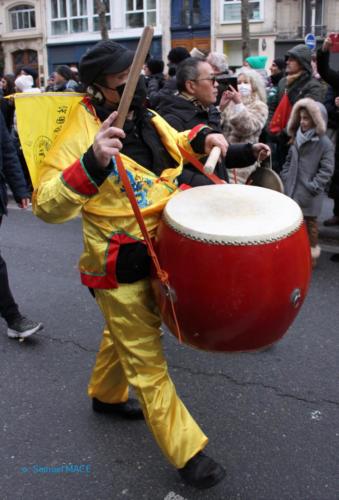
[244,115]
[309,164]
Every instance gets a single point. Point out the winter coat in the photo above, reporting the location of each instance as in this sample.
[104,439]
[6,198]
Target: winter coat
[183,114]
[273,94]
[244,125]
[308,169]
[332,78]
[157,90]
[10,170]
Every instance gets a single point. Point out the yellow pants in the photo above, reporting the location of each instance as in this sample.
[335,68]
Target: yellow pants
[131,354]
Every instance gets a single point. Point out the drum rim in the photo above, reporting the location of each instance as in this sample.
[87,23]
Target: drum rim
[249,242]
[237,239]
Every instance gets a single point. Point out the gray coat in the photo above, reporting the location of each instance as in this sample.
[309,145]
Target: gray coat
[308,170]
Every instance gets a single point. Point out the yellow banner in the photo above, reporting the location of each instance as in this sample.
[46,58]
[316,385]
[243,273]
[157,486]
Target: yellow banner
[40,119]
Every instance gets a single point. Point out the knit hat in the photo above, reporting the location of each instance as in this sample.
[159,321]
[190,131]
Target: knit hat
[303,55]
[178,54]
[105,58]
[64,71]
[257,62]
[155,66]
[280,63]
[24,83]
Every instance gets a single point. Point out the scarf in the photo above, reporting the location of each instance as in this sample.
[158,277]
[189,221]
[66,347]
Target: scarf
[303,137]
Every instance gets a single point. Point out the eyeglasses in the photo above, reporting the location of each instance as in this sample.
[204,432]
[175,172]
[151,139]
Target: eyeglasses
[212,79]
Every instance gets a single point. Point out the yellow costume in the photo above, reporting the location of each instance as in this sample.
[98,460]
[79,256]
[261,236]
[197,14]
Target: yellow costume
[130,352]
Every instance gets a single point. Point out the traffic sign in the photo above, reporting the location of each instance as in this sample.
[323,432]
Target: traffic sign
[310,41]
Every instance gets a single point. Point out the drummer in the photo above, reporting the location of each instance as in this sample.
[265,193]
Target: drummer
[79,175]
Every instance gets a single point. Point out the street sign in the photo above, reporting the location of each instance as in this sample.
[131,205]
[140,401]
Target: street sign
[310,41]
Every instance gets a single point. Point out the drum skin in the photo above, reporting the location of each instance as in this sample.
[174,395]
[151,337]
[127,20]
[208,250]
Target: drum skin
[231,298]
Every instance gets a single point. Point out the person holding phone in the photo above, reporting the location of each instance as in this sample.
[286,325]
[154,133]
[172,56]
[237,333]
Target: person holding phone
[331,77]
[194,105]
[244,114]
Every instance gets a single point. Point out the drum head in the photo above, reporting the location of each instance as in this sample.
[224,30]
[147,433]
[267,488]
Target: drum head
[266,178]
[233,214]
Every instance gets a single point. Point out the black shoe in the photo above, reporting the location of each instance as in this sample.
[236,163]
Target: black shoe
[202,472]
[335,257]
[22,327]
[129,410]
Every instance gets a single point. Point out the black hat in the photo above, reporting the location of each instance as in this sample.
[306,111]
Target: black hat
[64,71]
[178,54]
[280,63]
[30,71]
[155,66]
[105,58]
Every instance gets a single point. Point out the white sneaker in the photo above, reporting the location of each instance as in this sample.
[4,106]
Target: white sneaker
[22,327]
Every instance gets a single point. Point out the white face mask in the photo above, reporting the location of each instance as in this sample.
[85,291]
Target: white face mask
[245,89]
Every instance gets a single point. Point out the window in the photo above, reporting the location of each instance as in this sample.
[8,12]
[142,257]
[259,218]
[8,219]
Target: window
[140,13]
[22,17]
[232,11]
[69,16]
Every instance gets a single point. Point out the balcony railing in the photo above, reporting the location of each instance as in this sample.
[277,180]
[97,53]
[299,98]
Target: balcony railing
[319,31]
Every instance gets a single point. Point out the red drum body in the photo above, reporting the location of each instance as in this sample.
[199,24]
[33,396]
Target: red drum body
[238,260]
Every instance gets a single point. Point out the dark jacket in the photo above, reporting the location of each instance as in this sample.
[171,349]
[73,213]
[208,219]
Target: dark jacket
[10,170]
[304,86]
[157,90]
[332,109]
[329,75]
[332,78]
[183,114]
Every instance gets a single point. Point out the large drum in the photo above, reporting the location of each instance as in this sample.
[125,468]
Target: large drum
[238,260]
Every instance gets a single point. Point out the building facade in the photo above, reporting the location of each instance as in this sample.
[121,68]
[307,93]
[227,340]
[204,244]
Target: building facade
[45,33]
[73,26]
[22,37]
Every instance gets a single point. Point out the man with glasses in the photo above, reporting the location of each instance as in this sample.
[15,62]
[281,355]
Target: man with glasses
[195,104]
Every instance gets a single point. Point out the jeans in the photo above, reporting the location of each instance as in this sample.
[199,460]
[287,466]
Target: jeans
[8,308]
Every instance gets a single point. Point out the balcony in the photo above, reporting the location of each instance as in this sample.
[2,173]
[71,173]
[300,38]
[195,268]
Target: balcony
[319,30]
[300,32]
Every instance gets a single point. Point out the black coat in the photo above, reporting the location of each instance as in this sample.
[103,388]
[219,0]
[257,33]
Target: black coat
[332,78]
[10,170]
[184,115]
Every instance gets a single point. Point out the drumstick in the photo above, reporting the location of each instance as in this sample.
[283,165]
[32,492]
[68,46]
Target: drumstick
[133,77]
[212,160]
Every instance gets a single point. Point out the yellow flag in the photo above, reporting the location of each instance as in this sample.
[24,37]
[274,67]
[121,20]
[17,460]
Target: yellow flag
[40,119]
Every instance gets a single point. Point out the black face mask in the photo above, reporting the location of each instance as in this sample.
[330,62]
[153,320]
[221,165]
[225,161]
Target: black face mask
[139,97]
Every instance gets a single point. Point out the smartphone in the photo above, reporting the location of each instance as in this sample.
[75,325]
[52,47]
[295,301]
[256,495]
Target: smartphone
[335,42]
[226,81]
[224,84]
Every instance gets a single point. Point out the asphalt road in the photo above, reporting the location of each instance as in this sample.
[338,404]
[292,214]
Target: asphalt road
[272,417]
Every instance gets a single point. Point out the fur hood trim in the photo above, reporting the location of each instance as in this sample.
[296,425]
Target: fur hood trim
[317,112]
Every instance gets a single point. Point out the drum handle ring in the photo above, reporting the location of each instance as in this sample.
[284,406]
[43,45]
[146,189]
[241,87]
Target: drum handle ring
[296,297]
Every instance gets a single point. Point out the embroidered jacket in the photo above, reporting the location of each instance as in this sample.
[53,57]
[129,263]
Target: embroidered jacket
[67,189]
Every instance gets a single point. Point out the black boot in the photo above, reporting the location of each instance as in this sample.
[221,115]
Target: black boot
[202,472]
[129,410]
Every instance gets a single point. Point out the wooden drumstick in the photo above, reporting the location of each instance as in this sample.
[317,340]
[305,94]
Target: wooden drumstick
[134,74]
[212,160]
